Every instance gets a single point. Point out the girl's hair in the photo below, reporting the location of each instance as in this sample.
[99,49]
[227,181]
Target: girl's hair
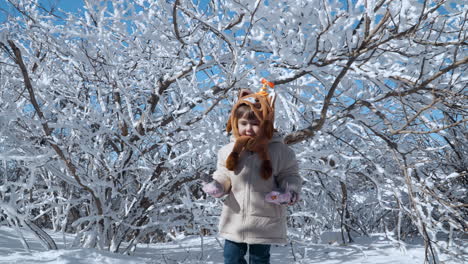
[244,111]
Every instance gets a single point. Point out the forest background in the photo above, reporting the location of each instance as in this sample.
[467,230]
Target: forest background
[111,114]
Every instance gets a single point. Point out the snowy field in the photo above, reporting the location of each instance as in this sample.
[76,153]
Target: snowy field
[373,250]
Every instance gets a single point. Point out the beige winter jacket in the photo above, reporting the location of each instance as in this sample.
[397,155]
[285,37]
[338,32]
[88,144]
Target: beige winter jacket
[246,216]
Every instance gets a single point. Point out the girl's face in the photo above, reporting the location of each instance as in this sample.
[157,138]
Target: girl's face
[248,127]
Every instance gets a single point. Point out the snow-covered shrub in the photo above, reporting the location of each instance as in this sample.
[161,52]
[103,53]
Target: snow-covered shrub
[109,116]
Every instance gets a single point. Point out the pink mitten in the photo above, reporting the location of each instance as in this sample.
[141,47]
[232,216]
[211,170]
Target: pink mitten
[278,197]
[214,189]
[288,197]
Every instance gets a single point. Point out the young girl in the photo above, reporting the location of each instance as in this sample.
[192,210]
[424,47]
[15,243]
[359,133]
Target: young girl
[259,175]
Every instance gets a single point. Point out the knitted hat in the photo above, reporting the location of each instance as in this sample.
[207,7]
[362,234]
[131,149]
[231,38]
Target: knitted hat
[262,104]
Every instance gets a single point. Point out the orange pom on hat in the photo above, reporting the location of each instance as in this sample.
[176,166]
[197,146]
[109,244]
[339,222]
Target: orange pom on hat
[262,104]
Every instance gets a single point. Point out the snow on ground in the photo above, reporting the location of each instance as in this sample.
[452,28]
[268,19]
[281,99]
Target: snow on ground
[373,250]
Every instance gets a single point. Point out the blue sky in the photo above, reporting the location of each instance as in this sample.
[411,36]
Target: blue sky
[65,5]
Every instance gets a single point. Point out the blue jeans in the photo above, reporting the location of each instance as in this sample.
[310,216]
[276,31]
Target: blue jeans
[234,253]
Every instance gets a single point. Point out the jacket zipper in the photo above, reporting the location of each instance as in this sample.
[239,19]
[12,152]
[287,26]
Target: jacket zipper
[247,194]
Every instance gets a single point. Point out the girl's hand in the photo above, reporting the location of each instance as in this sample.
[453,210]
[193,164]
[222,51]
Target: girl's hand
[286,198]
[213,188]
[278,197]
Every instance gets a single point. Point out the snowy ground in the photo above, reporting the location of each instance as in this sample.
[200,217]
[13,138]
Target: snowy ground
[375,250]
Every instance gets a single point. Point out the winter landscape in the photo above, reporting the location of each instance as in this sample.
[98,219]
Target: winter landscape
[112,113]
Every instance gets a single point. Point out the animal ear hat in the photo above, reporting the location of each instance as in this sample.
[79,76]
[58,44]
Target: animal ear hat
[262,105]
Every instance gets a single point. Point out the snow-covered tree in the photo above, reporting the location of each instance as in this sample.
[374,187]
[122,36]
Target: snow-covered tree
[110,115]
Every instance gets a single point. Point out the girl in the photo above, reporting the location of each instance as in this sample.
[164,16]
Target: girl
[259,175]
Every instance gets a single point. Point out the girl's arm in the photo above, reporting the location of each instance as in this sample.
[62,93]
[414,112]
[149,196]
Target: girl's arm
[221,174]
[288,177]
